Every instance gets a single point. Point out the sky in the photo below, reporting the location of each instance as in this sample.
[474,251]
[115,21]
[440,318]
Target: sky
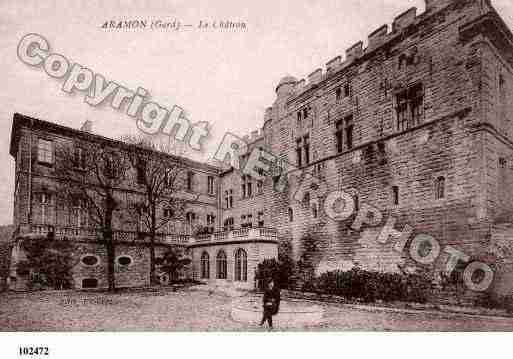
[224,77]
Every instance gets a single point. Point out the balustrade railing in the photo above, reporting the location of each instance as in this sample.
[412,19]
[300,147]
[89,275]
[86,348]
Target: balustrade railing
[134,236]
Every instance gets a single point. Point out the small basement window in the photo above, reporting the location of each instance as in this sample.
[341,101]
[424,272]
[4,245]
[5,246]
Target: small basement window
[124,261]
[90,283]
[90,260]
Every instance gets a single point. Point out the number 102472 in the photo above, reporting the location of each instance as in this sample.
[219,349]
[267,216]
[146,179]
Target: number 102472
[33,351]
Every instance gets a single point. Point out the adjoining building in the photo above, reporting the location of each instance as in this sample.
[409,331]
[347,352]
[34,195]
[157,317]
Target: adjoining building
[416,124]
[42,212]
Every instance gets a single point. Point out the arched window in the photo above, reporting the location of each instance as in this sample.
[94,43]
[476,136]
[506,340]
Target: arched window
[440,188]
[306,199]
[291,215]
[241,265]
[205,266]
[315,211]
[221,265]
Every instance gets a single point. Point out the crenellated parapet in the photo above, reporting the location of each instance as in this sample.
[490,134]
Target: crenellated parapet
[379,37]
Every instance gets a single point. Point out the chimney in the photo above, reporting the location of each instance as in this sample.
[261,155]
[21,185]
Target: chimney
[87,126]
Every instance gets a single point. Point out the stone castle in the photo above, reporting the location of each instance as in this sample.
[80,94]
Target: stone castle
[417,124]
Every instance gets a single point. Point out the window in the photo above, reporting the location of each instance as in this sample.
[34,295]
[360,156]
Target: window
[205,266]
[228,224]
[228,198]
[89,283]
[402,59]
[211,222]
[210,185]
[395,195]
[344,132]
[315,211]
[246,186]
[502,162]
[402,111]
[339,135]
[169,179]
[502,82]
[79,213]
[110,168]
[246,221]
[90,260]
[221,265]
[440,188]
[347,90]
[417,105]
[45,151]
[410,107]
[79,158]
[299,152]
[241,265]
[124,261]
[349,131]
[356,202]
[141,172]
[306,146]
[190,217]
[260,186]
[303,150]
[305,112]
[168,213]
[306,199]
[291,214]
[45,200]
[299,118]
[338,94]
[190,181]
[260,219]
[318,170]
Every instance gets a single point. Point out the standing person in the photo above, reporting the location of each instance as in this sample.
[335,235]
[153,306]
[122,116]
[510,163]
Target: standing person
[271,303]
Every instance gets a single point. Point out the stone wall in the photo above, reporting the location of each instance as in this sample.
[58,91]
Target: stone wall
[446,144]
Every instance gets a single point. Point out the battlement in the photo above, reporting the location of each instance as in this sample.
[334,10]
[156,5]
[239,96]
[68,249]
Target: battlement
[375,39]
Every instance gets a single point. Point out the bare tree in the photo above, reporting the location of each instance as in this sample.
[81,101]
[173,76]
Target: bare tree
[92,174]
[161,176]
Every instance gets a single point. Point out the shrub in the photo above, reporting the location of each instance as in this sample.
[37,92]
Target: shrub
[496,302]
[272,269]
[370,286]
[48,262]
[173,262]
